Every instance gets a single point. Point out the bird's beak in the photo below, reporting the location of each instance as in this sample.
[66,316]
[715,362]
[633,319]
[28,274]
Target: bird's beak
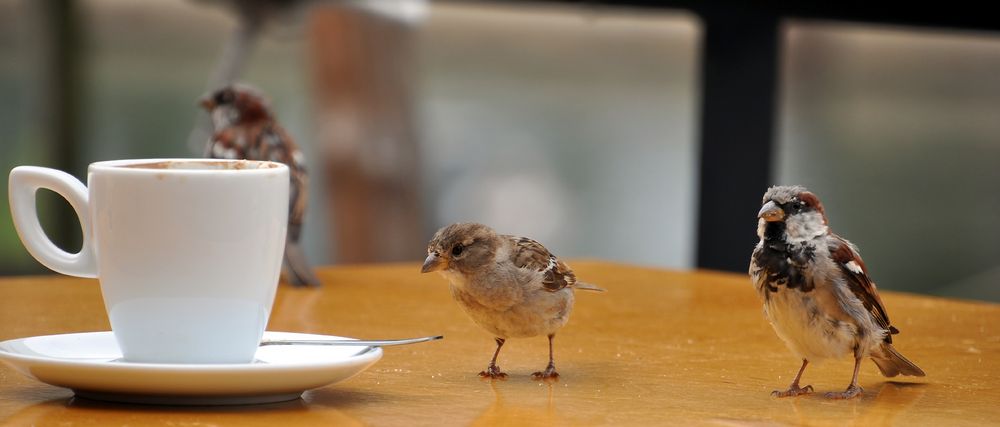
[207,103]
[433,263]
[771,212]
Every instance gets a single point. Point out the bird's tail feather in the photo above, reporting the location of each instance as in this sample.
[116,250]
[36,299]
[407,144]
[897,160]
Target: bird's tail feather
[891,363]
[584,286]
[298,272]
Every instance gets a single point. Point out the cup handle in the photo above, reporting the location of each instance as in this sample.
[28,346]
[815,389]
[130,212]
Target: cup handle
[22,187]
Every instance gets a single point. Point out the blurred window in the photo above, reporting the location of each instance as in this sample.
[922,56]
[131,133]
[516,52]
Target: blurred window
[897,131]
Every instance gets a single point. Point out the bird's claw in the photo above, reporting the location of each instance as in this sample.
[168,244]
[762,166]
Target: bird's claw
[493,372]
[549,374]
[851,392]
[792,391]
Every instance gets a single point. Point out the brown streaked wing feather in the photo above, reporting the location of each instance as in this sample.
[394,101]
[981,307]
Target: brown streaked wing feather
[297,197]
[276,145]
[861,284]
[273,143]
[226,139]
[532,255]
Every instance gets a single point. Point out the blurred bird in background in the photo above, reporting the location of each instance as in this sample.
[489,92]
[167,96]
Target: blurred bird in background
[245,128]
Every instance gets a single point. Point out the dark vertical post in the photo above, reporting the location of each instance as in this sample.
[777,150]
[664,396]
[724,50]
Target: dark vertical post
[62,122]
[362,82]
[740,67]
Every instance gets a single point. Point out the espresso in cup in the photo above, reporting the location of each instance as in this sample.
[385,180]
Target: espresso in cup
[187,251]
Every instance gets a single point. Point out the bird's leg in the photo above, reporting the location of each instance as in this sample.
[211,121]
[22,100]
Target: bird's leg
[493,371]
[550,371]
[853,390]
[794,389]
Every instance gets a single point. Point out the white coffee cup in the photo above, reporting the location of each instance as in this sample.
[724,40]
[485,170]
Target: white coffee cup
[188,251]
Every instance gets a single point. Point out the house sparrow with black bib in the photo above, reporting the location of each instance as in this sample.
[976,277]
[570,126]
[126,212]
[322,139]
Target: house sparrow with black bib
[245,128]
[817,293]
[511,286]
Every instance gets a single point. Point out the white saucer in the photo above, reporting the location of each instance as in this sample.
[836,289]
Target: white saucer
[90,364]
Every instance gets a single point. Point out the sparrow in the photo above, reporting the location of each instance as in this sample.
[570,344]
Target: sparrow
[817,293]
[245,128]
[511,286]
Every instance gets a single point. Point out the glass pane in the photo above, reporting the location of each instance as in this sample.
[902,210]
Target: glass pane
[896,130]
[574,126]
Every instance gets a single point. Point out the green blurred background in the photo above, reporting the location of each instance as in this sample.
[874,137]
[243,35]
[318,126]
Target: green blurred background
[574,125]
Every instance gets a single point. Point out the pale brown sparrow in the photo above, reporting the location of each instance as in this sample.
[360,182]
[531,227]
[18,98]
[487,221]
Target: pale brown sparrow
[511,286]
[246,129]
[816,291]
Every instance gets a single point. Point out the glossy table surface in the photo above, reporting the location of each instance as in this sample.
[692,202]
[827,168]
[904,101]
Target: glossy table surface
[660,347]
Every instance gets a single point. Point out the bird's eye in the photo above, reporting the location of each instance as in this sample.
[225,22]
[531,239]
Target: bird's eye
[799,206]
[457,250]
[224,97]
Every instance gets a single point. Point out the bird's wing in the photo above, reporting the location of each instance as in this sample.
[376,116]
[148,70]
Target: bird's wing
[224,144]
[531,255]
[275,144]
[271,142]
[860,283]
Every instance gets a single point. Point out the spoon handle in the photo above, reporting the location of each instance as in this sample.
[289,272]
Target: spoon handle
[369,343]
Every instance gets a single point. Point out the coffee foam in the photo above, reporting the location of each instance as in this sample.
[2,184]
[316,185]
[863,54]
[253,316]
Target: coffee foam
[202,165]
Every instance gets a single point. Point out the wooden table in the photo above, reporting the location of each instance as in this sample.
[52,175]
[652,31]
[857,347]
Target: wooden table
[660,347]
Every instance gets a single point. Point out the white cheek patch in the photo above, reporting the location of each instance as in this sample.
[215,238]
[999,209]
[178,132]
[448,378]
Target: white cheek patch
[853,267]
[218,150]
[804,226]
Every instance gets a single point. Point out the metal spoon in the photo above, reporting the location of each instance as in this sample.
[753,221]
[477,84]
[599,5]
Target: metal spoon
[366,343]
